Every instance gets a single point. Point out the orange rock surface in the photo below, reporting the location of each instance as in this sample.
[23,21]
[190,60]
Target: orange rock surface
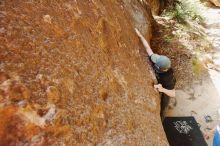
[82,77]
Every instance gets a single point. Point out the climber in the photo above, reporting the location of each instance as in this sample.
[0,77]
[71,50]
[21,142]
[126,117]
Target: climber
[164,74]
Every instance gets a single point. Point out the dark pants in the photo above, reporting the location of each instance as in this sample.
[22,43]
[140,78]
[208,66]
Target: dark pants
[164,105]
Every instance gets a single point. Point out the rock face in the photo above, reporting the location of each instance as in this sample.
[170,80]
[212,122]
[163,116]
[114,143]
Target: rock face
[75,73]
[153,4]
[216,2]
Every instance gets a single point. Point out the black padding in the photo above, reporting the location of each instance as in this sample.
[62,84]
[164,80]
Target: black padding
[183,131]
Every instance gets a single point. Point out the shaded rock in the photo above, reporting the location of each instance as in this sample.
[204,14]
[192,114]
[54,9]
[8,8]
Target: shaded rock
[141,19]
[154,5]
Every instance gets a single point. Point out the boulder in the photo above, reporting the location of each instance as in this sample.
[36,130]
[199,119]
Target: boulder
[85,59]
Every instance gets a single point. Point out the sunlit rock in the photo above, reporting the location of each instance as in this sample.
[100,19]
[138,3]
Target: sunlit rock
[216,2]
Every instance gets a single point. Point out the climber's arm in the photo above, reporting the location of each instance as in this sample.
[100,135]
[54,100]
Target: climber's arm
[170,93]
[145,43]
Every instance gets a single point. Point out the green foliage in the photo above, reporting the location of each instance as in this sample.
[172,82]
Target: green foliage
[179,14]
[197,66]
[184,10]
[167,38]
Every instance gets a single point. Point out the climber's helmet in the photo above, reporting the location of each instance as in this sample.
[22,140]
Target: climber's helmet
[161,62]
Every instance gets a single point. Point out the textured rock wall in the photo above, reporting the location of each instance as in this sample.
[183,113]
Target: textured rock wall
[153,4]
[75,73]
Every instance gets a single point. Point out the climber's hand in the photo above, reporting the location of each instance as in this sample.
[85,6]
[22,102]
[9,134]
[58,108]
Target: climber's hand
[168,92]
[138,32]
[159,87]
[207,136]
